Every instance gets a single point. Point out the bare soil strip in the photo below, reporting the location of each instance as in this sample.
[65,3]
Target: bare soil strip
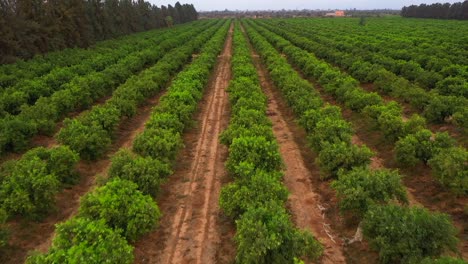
[306,205]
[27,235]
[190,231]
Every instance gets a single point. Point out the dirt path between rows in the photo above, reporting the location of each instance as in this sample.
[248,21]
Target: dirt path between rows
[306,206]
[28,235]
[190,230]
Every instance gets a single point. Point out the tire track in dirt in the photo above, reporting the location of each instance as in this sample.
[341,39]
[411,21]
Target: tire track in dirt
[27,235]
[189,231]
[305,204]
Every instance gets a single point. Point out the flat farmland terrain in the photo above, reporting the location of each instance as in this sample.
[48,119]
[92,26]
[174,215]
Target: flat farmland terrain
[299,140]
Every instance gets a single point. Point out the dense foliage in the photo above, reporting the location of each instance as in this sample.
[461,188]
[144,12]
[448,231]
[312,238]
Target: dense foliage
[256,198]
[91,133]
[146,172]
[105,70]
[458,10]
[29,185]
[30,27]
[413,142]
[450,168]
[361,188]
[122,209]
[399,233]
[407,235]
[394,65]
[81,240]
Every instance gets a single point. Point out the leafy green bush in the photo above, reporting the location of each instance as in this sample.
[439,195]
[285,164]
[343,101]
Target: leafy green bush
[421,146]
[166,121]
[103,116]
[414,124]
[358,99]
[428,79]
[252,130]
[29,190]
[123,207]
[90,141]
[265,235]
[249,117]
[254,101]
[147,173]
[407,235]
[450,168]
[81,240]
[330,131]
[15,133]
[44,114]
[441,107]
[256,150]
[453,86]
[252,190]
[311,117]
[392,125]
[61,162]
[460,118]
[360,188]
[345,156]
[180,103]
[158,143]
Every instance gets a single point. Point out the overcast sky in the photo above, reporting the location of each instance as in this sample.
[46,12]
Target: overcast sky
[207,5]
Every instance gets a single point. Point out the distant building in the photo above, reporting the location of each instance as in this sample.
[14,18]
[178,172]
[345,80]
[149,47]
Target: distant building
[337,13]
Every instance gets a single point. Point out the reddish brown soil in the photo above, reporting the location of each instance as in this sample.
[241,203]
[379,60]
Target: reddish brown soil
[306,205]
[27,235]
[192,228]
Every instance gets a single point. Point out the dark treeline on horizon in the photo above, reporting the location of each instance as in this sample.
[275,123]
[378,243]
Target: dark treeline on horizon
[30,27]
[457,10]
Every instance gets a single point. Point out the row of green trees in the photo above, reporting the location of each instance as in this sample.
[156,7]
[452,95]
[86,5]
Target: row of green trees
[28,187]
[82,91]
[457,10]
[256,198]
[91,134]
[30,27]
[445,103]
[77,61]
[123,209]
[374,196]
[414,143]
[26,91]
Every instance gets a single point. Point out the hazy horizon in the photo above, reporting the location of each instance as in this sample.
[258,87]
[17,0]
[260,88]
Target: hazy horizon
[211,5]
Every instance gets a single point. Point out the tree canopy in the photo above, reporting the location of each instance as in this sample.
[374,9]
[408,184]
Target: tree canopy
[30,27]
[457,10]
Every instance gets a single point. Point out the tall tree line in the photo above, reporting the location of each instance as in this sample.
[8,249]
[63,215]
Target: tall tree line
[457,10]
[29,27]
